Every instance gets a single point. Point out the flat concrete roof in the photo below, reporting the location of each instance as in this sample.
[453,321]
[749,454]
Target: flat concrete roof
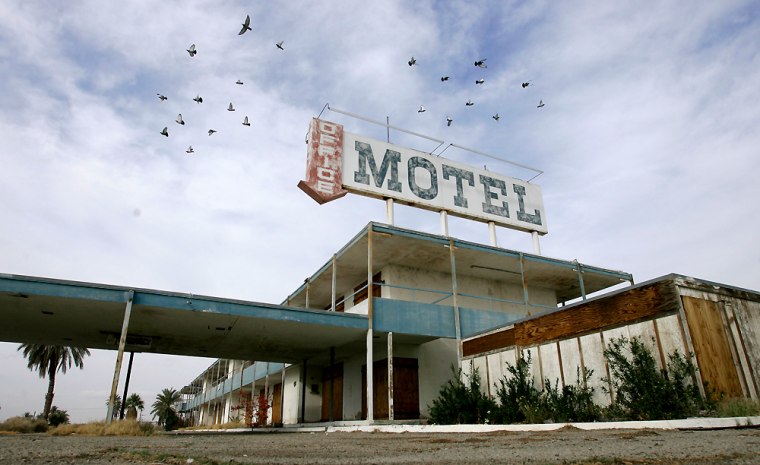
[57,312]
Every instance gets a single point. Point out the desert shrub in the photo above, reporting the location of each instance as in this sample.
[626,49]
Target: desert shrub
[25,424]
[737,407]
[520,400]
[574,402]
[57,416]
[100,428]
[517,395]
[461,403]
[644,392]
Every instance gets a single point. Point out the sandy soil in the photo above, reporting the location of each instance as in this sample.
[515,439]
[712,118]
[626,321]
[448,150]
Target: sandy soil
[566,446]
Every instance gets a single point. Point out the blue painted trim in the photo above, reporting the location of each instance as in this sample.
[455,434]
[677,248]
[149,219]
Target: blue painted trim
[415,318]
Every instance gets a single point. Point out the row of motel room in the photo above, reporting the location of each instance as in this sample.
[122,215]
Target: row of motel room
[434,302]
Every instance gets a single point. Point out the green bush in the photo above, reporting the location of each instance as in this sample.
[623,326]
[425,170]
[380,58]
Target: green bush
[517,395]
[57,417]
[644,392]
[520,401]
[738,407]
[460,403]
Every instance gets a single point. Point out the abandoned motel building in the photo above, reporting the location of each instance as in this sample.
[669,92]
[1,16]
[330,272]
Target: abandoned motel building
[374,333]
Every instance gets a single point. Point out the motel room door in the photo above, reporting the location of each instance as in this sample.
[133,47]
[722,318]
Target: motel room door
[334,373]
[406,389]
[276,404]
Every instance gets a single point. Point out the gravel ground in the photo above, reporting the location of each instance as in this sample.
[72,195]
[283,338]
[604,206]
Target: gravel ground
[565,446]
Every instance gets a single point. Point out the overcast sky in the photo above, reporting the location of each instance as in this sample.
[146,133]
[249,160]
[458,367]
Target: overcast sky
[649,140]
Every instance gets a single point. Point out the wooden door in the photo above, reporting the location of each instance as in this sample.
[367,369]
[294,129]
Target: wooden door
[406,389]
[332,375]
[711,346]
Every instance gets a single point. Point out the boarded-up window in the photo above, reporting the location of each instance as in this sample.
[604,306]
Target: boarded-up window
[711,346]
[339,305]
[361,290]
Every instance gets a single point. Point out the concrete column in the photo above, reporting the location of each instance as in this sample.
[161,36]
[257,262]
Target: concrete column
[492,233]
[536,243]
[444,223]
[370,356]
[389,211]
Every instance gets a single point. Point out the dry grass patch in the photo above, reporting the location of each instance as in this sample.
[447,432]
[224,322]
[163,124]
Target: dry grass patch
[23,425]
[100,428]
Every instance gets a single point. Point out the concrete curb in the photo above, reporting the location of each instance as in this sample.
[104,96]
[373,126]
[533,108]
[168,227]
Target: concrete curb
[685,424]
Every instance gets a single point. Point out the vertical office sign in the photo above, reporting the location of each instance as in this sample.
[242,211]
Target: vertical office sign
[324,162]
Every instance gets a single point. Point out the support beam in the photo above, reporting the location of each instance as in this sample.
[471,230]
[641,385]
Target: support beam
[444,223]
[119,356]
[334,281]
[302,416]
[126,386]
[389,211]
[370,356]
[282,396]
[455,298]
[332,383]
[390,376]
[580,280]
[536,243]
[492,233]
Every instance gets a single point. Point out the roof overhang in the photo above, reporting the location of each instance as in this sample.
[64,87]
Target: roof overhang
[56,312]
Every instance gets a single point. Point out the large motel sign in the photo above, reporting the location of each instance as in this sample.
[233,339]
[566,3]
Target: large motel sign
[339,162]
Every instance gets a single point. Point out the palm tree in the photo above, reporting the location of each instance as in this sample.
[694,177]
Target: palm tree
[116,405]
[163,407]
[134,403]
[49,360]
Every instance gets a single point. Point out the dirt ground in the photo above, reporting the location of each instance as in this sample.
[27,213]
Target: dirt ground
[566,446]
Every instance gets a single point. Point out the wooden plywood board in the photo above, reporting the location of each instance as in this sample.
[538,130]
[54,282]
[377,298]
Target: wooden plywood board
[744,317]
[593,359]
[535,365]
[495,372]
[645,332]
[550,364]
[711,346]
[671,335]
[489,342]
[634,305]
[480,365]
[571,361]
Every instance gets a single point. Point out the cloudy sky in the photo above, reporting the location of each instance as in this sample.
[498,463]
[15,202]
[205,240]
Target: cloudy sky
[649,141]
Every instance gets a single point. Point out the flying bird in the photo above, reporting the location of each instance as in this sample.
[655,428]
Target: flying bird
[190,149]
[211,131]
[239,82]
[421,110]
[246,25]
[192,50]
[480,81]
[412,62]
[469,103]
[180,120]
[198,99]
[525,84]
[448,121]
[481,63]
[540,104]
[496,117]
[165,132]
[245,122]
[230,108]
[162,97]
[444,78]
[279,45]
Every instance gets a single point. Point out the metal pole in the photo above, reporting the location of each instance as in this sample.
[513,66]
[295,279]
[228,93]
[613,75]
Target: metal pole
[389,211]
[370,357]
[580,280]
[308,282]
[302,419]
[536,243]
[524,280]
[332,383]
[282,396]
[126,385]
[444,223]
[334,282]
[390,376]
[455,297]
[119,356]
[492,233]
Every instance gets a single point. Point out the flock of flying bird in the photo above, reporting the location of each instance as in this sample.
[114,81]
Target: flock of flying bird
[246,26]
[481,63]
[192,51]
